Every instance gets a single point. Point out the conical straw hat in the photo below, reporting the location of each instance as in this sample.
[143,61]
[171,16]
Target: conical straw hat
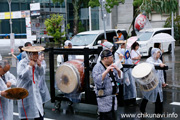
[33,48]
[16,93]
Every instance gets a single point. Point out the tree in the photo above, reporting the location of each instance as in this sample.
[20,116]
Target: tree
[160,6]
[109,4]
[54,27]
[168,24]
[77,4]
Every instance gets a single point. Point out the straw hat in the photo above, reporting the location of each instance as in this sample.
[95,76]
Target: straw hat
[120,41]
[33,48]
[16,93]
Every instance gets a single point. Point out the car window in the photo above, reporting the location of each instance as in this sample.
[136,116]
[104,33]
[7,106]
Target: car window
[163,31]
[125,34]
[83,39]
[145,36]
[110,36]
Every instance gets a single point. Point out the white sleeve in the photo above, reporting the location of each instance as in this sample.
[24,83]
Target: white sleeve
[133,54]
[11,78]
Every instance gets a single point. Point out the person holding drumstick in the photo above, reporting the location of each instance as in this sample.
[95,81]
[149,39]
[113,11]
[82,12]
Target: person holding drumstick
[155,95]
[28,71]
[6,81]
[106,78]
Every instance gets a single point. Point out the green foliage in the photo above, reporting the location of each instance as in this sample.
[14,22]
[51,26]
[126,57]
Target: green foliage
[137,3]
[58,1]
[176,26]
[81,28]
[54,25]
[109,4]
[160,6]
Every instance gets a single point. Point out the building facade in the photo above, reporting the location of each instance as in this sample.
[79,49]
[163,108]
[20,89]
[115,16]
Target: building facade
[121,17]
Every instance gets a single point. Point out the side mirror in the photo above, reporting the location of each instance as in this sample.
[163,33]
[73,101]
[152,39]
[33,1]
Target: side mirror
[99,42]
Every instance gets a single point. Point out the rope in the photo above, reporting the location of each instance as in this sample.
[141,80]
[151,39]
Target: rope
[24,110]
[33,69]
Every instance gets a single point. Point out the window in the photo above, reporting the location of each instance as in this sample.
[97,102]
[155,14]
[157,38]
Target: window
[83,39]
[145,36]
[163,31]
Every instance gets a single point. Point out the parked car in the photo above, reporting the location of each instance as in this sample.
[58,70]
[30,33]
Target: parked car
[145,40]
[91,39]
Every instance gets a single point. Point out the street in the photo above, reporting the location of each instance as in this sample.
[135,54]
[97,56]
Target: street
[89,112]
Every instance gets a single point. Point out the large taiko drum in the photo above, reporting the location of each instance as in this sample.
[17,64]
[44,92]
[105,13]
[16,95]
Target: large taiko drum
[70,76]
[145,76]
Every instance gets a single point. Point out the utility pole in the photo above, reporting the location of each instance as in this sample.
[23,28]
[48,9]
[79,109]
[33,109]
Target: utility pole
[103,13]
[172,48]
[12,42]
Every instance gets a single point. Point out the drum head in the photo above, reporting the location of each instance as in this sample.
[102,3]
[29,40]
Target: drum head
[67,78]
[16,93]
[141,70]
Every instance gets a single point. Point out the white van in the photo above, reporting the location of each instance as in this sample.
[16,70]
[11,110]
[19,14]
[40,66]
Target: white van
[145,40]
[91,39]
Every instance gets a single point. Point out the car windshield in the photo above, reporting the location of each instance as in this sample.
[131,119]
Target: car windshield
[83,39]
[145,36]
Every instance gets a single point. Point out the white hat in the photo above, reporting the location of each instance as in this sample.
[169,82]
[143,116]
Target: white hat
[107,45]
[67,42]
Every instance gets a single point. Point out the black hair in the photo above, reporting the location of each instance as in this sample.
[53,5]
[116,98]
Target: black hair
[20,48]
[27,43]
[134,45]
[106,53]
[119,31]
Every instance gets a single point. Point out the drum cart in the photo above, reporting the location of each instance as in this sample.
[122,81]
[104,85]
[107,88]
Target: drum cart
[90,97]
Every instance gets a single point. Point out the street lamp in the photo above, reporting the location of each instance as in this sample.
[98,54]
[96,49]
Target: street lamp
[11,35]
[10,21]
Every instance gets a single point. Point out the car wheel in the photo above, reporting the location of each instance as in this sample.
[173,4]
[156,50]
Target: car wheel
[169,48]
[149,52]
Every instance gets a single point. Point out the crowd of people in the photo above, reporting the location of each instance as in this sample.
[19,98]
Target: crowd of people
[31,70]
[111,79]
[109,76]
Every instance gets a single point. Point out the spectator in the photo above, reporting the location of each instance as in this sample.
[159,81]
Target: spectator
[135,54]
[18,57]
[117,38]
